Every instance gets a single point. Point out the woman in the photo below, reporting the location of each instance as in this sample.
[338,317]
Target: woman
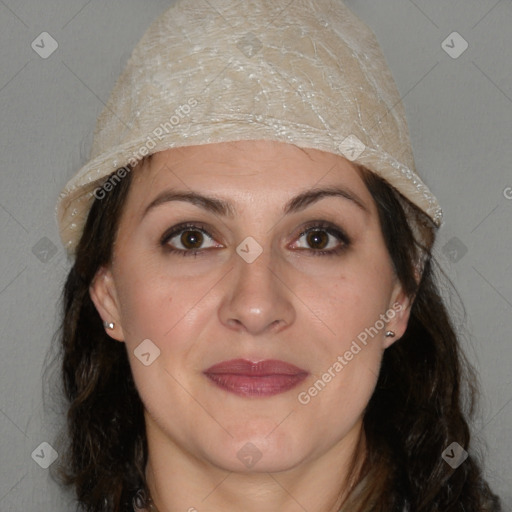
[302,358]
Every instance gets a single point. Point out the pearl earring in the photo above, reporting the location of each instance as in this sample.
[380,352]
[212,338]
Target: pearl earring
[390,334]
[109,325]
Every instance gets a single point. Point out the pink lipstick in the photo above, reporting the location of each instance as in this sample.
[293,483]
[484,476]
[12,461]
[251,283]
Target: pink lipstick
[265,378]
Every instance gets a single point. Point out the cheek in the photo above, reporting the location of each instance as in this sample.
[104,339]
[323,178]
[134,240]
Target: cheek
[350,300]
[161,305]
[350,350]
[147,302]
[157,308]
[347,369]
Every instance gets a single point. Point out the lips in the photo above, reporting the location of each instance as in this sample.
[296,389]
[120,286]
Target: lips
[264,378]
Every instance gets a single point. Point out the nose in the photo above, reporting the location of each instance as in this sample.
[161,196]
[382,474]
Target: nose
[257,298]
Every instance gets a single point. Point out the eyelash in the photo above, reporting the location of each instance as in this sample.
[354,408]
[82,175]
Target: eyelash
[329,228]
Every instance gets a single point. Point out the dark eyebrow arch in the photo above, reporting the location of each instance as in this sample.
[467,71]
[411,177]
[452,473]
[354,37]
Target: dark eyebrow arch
[226,209]
[301,201]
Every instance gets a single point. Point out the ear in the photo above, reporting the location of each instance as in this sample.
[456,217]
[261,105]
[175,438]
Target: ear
[398,313]
[103,294]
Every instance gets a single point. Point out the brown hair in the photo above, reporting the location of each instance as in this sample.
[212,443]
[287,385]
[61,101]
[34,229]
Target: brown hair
[416,411]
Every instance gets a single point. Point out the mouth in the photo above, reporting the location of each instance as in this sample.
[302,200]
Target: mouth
[265,378]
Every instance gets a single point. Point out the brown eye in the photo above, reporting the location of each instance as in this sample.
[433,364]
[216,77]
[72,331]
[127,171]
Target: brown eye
[188,240]
[191,239]
[317,239]
[323,239]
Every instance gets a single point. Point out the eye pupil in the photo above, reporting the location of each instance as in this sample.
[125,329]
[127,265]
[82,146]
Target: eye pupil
[191,239]
[317,237]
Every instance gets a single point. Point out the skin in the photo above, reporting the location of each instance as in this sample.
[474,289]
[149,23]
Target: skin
[288,304]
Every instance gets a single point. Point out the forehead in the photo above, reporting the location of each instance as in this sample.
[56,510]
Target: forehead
[270,166]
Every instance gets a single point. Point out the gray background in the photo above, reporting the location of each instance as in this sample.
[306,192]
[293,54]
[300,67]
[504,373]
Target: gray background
[460,117]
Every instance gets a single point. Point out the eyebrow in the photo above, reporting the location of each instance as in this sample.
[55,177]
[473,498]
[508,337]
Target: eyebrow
[226,209]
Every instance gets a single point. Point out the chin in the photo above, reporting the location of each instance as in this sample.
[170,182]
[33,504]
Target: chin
[262,452]
[250,460]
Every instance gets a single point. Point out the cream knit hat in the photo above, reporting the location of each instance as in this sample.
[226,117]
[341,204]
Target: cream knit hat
[306,72]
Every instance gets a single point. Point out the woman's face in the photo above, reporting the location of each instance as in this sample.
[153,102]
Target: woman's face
[254,251]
